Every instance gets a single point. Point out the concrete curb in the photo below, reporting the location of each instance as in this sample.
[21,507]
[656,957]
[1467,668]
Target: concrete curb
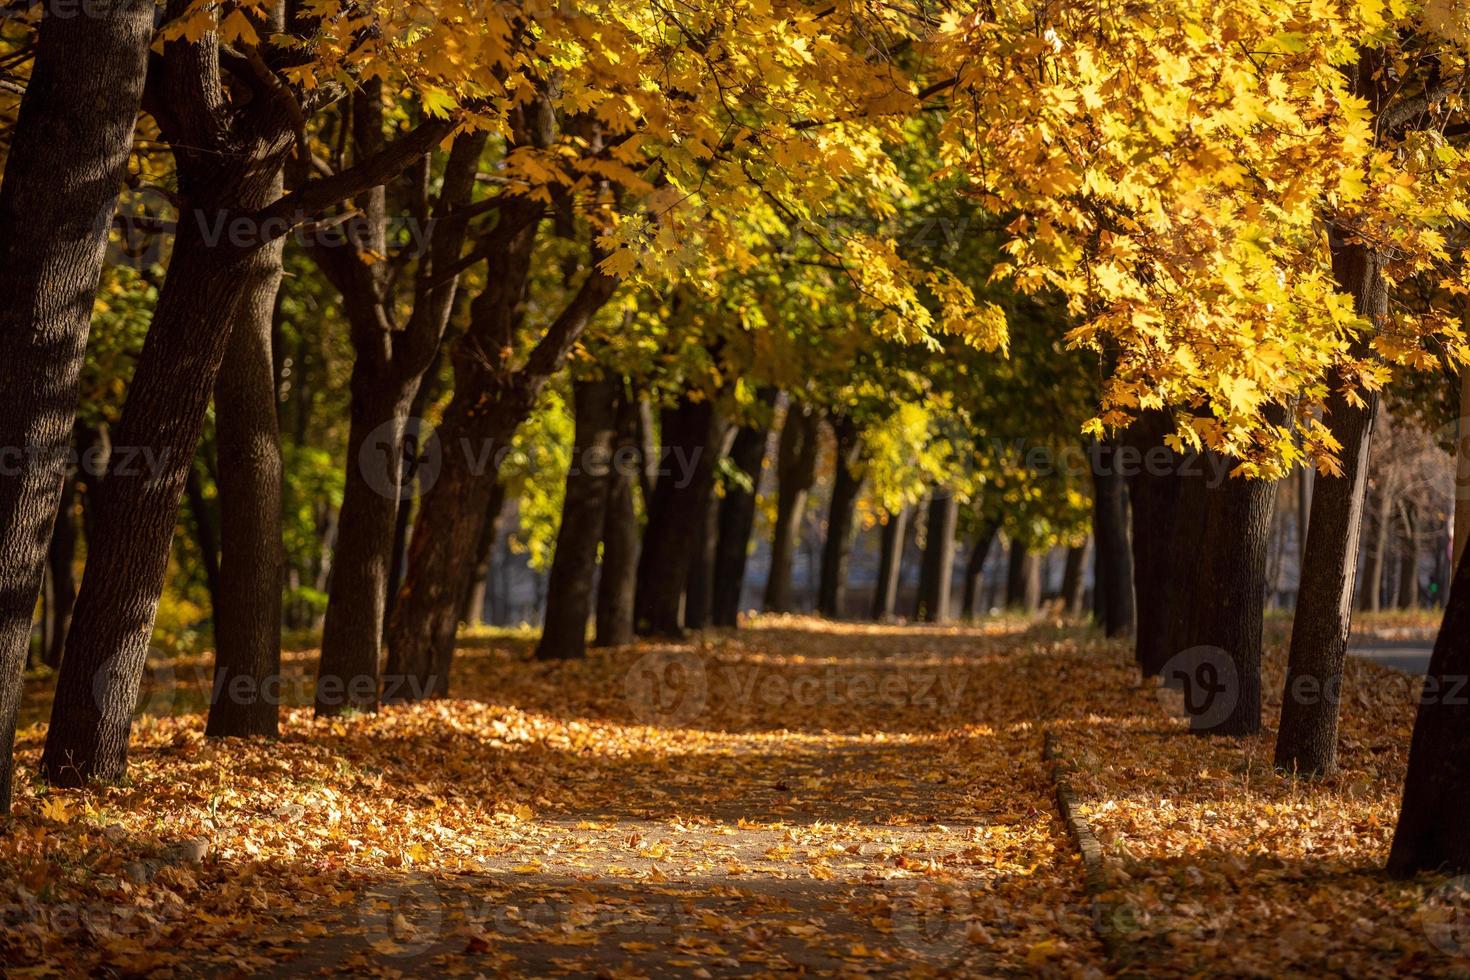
[1110,920]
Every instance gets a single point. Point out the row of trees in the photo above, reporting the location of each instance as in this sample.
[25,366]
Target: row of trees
[1202,238]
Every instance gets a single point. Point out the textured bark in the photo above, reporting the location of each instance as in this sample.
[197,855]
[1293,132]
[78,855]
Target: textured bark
[890,566]
[975,565]
[492,397]
[63,167]
[1431,830]
[1154,492]
[1306,742]
[675,514]
[229,152]
[796,466]
[847,482]
[1186,572]
[1074,583]
[699,591]
[352,635]
[936,569]
[61,592]
[574,565]
[617,582]
[387,372]
[736,518]
[128,556]
[1230,598]
[245,698]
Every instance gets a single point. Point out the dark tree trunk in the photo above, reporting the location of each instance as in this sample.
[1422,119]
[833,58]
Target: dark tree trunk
[574,565]
[126,560]
[352,636]
[737,518]
[975,565]
[617,583]
[796,466]
[1023,578]
[1154,491]
[1187,570]
[890,566]
[63,169]
[1223,691]
[387,373]
[680,505]
[1116,567]
[936,570]
[1074,581]
[473,612]
[245,698]
[61,595]
[699,591]
[1371,589]
[847,482]
[491,400]
[1431,829]
[1408,596]
[206,536]
[1306,741]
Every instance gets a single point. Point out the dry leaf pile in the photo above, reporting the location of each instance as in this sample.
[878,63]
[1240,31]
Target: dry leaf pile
[1217,865]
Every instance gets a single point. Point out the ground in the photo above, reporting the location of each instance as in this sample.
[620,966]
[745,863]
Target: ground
[794,797]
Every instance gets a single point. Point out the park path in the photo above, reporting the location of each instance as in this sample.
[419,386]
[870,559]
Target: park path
[795,798]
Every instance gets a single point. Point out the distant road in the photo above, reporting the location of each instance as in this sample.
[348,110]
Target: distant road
[1409,655]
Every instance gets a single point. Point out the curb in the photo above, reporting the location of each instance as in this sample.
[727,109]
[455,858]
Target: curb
[1109,919]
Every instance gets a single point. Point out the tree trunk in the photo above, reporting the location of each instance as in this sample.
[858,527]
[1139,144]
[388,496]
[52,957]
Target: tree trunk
[1431,830]
[491,400]
[1306,742]
[1155,491]
[796,465]
[473,612]
[63,168]
[1462,472]
[1408,595]
[61,596]
[890,566]
[1371,590]
[1223,686]
[583,515]
[936,570]
[737,518]
[1023,578]
[679,506]
[975,565]
[618,580]
[1114,563]
[1073,581]
[206,536]
[847,482]
[245,698]
[699,591]
[352,636]
[128,557]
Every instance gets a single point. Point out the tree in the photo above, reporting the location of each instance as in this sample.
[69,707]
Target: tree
[62,175]
[796,467]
